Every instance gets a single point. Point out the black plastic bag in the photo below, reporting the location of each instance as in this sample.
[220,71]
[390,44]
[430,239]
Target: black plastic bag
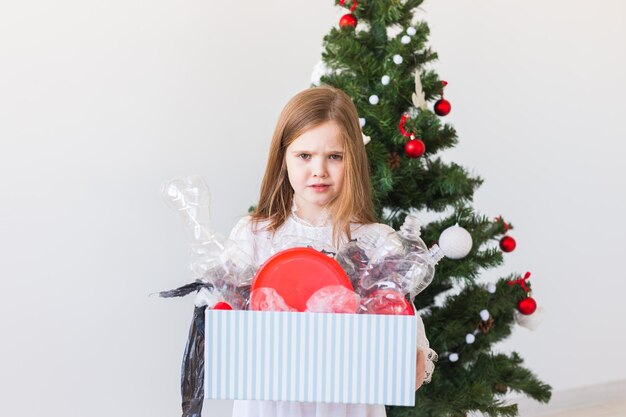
[192,369]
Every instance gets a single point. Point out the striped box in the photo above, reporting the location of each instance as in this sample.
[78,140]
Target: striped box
[337,358]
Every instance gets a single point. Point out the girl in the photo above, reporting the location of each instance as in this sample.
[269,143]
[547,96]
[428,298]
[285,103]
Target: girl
[316,186]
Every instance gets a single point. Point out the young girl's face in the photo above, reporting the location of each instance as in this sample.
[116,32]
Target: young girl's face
[315,168]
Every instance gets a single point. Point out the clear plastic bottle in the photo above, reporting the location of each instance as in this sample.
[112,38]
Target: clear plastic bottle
[354,257]
[422,270]
[403,263]
[215,261]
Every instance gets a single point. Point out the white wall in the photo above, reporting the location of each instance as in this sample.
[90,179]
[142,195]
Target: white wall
[100,102]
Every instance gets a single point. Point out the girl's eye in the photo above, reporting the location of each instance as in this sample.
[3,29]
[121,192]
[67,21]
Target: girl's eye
[304,156]
[336,157]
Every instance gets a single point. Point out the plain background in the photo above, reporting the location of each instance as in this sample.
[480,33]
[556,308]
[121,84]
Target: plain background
[100,102]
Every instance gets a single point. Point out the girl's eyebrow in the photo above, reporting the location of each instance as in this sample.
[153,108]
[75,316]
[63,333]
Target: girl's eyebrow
[328,153]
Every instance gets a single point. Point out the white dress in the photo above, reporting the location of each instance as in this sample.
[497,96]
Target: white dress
[260,245]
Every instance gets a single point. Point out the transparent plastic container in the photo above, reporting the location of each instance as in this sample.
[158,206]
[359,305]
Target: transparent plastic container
[218,263]
[354,257]
[403,263]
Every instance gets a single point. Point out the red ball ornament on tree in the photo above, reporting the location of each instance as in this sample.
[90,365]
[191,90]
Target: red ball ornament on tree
[442,107]
[414,148]
[507,244]
[347,21]
[527,306]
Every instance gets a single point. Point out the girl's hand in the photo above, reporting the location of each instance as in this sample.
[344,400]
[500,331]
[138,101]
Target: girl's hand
[420,368]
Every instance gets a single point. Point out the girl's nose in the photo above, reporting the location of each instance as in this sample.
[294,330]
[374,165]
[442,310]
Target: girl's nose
[320,170]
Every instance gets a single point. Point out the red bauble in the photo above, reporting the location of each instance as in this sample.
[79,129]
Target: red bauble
[222,306]
[347,21]
[527,306]
[442,107]
[414,148]
[507,244]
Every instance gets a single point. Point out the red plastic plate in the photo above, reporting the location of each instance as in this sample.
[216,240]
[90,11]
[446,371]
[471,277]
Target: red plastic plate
[297,273]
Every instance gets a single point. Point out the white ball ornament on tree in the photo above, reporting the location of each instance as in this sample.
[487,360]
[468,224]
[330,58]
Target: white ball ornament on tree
[405,40]
[484,315]
[385,79]
[491,288]
[470,338]
[361,122]
[456,242]
[319,71]
[374,99]
[397,59]
[411,31]
[453,357]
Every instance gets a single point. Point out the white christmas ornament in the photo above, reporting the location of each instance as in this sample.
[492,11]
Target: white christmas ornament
[374,99]
[366,139]
[491,288]
[470,338]
[531,321]
[320,69]
[411,31]
[362,122]
[453,357]
[385,79]
[397,59]
[484,315]
[455,242]
[419,98]
[405,39]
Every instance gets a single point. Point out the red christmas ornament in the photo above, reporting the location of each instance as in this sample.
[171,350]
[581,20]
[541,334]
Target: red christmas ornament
[354,4]
[442,107]
[507,244]
[414,148]
[347,21]
[405,132]
[527,306]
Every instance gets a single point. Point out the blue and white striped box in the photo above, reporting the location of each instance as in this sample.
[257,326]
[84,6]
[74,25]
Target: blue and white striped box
[337,358]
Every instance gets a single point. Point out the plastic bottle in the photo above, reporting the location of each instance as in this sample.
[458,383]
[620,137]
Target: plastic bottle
[354,257]
[422,271]
[403,263]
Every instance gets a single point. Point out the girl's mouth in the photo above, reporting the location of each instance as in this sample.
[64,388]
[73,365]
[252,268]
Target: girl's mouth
[319,187]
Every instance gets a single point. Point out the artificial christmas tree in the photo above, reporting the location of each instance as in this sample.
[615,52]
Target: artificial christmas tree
[379,58]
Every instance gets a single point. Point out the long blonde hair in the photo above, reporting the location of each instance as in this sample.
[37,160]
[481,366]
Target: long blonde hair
[306,110]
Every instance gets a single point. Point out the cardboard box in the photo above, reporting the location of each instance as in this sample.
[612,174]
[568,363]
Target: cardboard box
[283,356]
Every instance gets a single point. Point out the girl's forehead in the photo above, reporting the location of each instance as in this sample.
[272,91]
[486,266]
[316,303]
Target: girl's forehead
[324,136]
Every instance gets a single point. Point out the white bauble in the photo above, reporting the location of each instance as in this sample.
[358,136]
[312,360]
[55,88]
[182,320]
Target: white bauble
[491,288]
[405,39]
[385,79]
[470,338]
[411,31]
[320,69]
[397,59]
[455,242]
[484,315]
[453,357]
[361,122]
[374,99]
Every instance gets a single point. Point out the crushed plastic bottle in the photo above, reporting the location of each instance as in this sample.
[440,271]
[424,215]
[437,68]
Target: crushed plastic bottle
[403,263]
[354,257]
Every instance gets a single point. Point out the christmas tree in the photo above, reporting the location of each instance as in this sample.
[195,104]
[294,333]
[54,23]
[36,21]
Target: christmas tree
[378,55]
